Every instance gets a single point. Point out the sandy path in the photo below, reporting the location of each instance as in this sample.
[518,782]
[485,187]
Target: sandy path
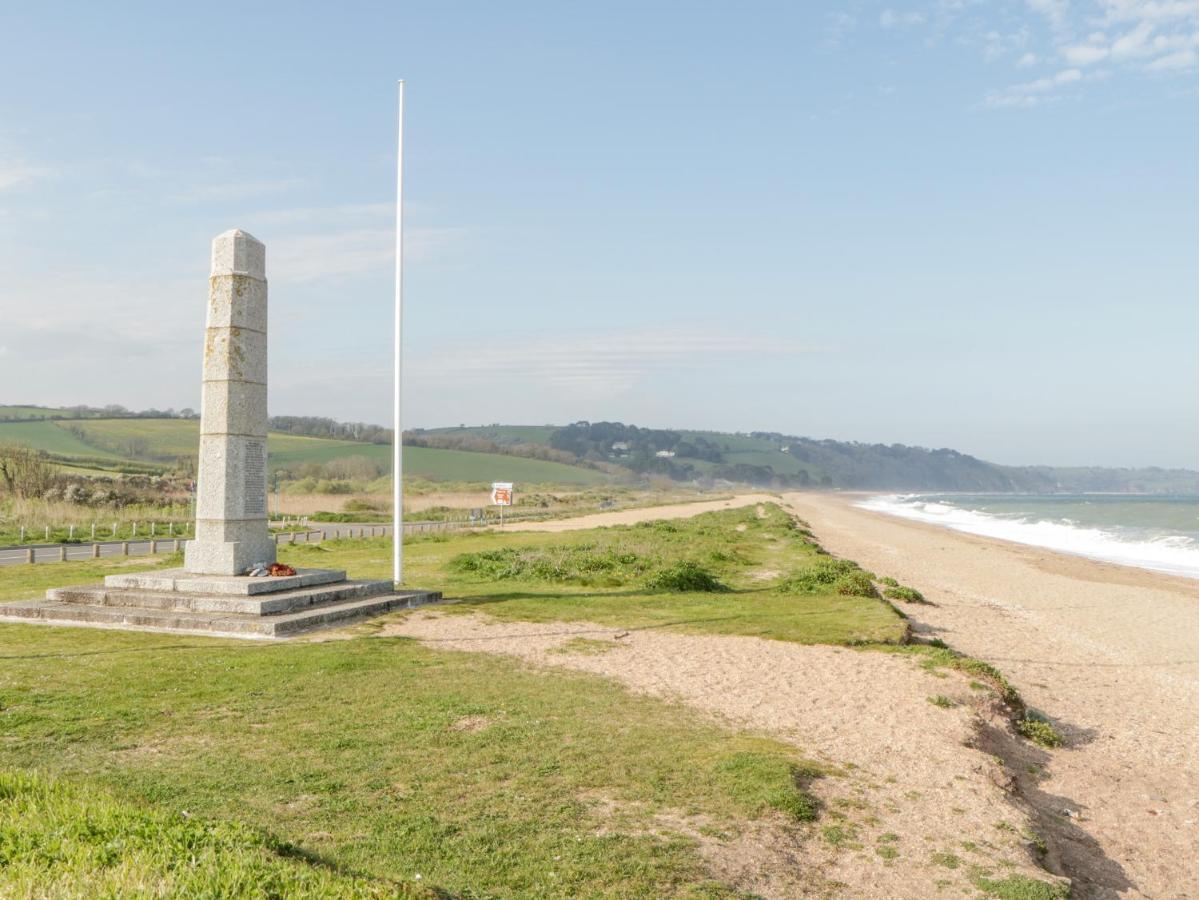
[645,514]
[912,777]
[1110,653]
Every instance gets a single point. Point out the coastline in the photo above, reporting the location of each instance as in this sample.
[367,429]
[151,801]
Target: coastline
[1109,652]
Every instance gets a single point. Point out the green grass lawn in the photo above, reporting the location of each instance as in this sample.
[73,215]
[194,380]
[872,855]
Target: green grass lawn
[601,575]
[353,766]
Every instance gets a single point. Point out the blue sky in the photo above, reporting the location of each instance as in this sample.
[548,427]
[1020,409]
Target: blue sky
[965,223]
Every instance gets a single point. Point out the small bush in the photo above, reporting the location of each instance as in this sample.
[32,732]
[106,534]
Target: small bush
[855,584]
[685,577]
[818,575]
[906,594]
[1037,729]
[942,701]
[889,582]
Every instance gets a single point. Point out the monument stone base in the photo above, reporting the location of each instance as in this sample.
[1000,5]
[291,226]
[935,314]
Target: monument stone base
[202,556]
[178,601]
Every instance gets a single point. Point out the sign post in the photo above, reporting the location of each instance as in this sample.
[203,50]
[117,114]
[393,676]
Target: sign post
[501,496]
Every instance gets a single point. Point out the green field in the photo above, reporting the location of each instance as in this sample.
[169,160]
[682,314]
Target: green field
[50,437]
[165,440]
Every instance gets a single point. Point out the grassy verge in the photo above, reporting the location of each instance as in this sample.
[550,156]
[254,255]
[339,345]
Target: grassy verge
[657,574]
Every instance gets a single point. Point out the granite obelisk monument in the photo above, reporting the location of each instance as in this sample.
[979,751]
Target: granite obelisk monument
[214,593]
[231,491]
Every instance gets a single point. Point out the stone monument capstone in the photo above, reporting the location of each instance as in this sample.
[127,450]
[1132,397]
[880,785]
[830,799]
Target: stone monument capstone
[231,520]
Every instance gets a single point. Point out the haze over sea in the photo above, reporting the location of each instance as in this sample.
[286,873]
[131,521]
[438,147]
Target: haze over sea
[1158,532]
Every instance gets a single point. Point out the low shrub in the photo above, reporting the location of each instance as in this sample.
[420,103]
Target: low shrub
[855,584]
[820,573]
[687,577]
[1038,729]
[906,594]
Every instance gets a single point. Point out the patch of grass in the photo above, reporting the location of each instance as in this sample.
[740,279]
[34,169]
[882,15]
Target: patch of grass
[591,589]
[1039,730]
[886,851]
[945,859]
[21,582]
[584,564]
[840,835]
[348,750]
[906,594]
[942,701]
[1020,887]
[767,781]
[586,647]
[56,841]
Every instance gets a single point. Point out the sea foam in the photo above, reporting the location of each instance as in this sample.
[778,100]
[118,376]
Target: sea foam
[1175,554]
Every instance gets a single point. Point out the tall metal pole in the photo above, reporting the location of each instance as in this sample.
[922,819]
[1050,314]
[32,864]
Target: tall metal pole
[397,442]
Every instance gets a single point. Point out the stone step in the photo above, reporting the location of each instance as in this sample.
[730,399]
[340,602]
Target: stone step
[241,625]
[262,605]
[181,580]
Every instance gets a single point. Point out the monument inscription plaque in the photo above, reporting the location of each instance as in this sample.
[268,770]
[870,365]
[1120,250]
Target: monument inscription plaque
[255,487]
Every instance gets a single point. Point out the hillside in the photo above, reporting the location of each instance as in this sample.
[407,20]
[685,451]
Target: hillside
[780,460]
[583,453]
[138,445]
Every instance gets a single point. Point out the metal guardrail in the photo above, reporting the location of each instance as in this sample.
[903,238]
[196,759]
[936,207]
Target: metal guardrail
[313,533]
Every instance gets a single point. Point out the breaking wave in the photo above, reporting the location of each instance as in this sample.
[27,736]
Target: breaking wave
[1173,553]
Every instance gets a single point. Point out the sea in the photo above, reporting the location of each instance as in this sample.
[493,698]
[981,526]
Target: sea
[1158,532]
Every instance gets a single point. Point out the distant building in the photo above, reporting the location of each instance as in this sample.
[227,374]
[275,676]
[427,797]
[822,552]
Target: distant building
[665,454]
[620,447]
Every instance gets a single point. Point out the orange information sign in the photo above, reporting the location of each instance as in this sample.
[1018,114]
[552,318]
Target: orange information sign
[501,493]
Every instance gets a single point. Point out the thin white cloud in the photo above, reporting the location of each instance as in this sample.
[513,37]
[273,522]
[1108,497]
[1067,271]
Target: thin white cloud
[1182,59]
[610,362]
[1054,11]
[1091,40]
[1034,93]
[1084,54]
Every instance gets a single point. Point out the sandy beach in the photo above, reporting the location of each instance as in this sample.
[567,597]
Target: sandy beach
[1109,653]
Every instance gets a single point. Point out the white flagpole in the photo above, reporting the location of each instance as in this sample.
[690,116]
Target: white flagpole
[397,442]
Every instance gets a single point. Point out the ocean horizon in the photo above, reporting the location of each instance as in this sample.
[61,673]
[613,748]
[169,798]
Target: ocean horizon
[1158,532]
